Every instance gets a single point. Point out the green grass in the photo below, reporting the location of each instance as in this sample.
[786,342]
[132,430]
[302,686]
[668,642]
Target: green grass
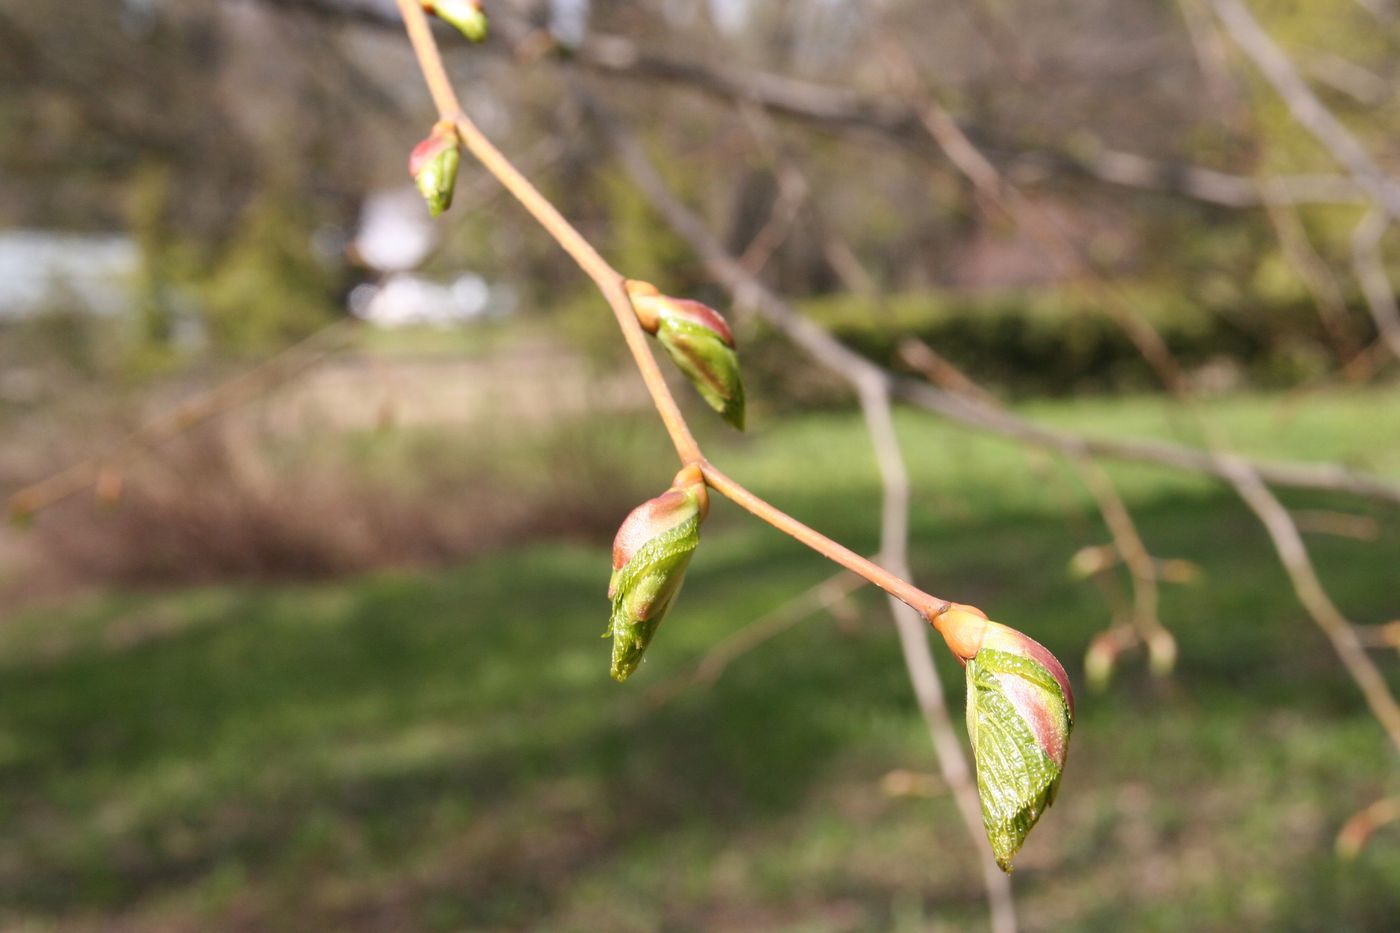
[444,750]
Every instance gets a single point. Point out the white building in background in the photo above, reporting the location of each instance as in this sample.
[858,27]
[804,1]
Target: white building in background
[395,236]
[41,270]
[395,232]
[408,300]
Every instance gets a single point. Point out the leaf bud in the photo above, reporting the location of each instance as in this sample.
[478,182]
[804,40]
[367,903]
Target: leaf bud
[699,342]
[433,165]
[466,15]
[650,555]
[1161,652]
[1020,711]
[1088,561]
[1100,659]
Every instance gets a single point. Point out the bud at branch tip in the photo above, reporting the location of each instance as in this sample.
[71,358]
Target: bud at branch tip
[1020,711]
[466,15]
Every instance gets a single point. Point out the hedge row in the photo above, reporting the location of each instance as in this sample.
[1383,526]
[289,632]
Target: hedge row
[1059,342]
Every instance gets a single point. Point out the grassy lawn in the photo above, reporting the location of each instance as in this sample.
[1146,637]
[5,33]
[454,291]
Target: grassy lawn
[444,750]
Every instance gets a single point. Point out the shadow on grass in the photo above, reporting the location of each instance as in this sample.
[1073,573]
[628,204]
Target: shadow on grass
[450,748]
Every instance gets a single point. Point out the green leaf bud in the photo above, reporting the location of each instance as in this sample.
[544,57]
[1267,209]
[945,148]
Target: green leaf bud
[1161,652]
[699,342]
[1020,711]
[650,555]
[433,165]
[466,15]
[1100,660]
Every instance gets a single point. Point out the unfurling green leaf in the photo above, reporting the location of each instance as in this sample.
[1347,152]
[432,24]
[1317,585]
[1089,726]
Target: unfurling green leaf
[650,554]
[1019,715]
[466,15]
[698,340]
[433,165]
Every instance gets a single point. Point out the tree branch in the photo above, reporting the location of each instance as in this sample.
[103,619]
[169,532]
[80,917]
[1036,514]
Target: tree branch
[611,283]
[1307,109]
[838,109]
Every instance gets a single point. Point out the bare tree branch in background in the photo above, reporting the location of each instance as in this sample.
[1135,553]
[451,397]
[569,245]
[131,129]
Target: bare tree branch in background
[1316,275]
[766,627]
[1307,109]
[1212,57]
[1360,84]
[221,399]
[1383,10]
[1375,282]
[1294,555]
[1310,113]
[838,109]
[1313,116]
[1145,623]
[1237,471]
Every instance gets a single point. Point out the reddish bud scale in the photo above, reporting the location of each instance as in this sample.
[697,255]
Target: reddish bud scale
[423,153]
[648,520]
[1045,723]
[963,628]
[652,306]
[699,314]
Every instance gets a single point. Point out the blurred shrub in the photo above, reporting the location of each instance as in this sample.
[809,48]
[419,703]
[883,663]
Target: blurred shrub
[1051,341]
[267,288]
[231,503]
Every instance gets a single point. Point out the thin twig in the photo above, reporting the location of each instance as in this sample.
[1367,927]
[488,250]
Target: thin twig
[1128,543]
[843,109]
[1357,830]
[611,283]
[1316,277]
[1384,635]
[1294,555]
[1241,474]
[1305,106]
[1375,283]
[760,631]
[218,400]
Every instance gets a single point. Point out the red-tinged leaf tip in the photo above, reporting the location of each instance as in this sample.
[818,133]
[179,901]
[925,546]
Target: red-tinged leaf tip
[699,314]
[1046,722]
[1004,638]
